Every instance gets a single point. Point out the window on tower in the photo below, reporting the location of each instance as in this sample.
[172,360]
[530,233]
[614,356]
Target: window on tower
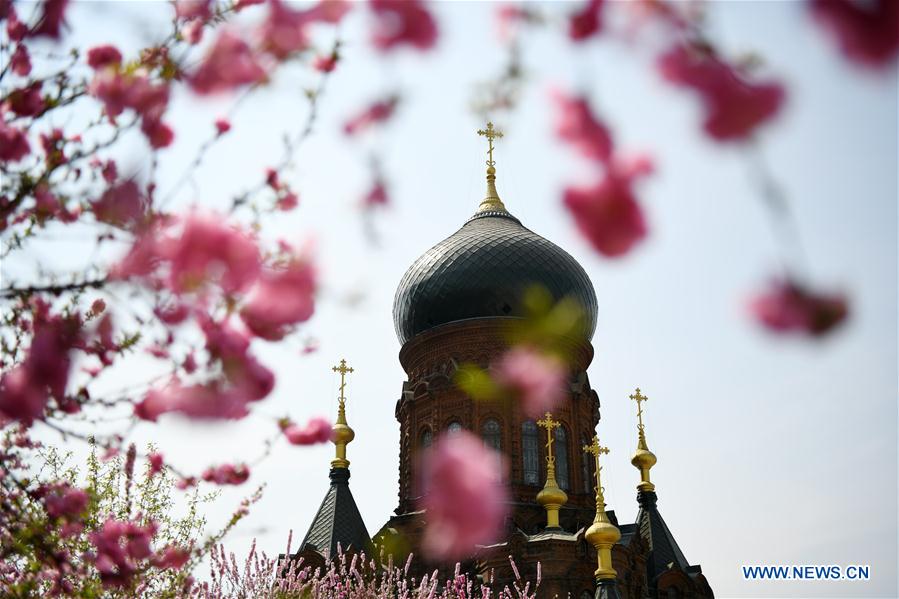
[560,448]
[491,432]
[425,438]
[587,466]
[530,457]
[454,427]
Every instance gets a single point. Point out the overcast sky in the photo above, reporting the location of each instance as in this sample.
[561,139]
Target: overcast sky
[771,451]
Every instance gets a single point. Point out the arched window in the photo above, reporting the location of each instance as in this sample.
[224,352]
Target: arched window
[587,467]
[492,434]
[454,427]
[426,438]
[530,455]
[560,449]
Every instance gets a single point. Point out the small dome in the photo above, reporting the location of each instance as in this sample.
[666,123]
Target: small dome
[481,271]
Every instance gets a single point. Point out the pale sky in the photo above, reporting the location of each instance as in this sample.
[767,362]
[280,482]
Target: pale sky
[771,450]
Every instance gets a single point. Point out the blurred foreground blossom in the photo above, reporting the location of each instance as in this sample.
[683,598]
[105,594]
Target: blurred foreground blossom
[577,125]
[788,307]
[377,112]
[119,546]
[465,500]
[734,107]
[536,379]
[316,430]
[229,64]
[227,474]
[401,22]
[867,32]
[281,298]
[587,21]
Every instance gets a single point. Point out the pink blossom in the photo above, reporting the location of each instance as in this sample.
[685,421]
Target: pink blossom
[229,64]
[64,501]
[158,133]
[15,29]
[577,125]
[378,112]
[734,107]
[867,32]
[402,22]
[789,307]
[204,402]
[607,213]
[21,398]
[241,4]
[174,313]
[227,474]
[287,201]
[156,463]
[587,21]
[535,379]
[13,144]
[20,61]
[192,9]
[119,91]
[465,500]
[281,298]
[103,56]
[110,171]
[316,430]
[26,101]
[171,557]
[325,63]
[52,18]
[98,306]
[119,545]
[284,30]
[121,205]
[376,196]
[222,126]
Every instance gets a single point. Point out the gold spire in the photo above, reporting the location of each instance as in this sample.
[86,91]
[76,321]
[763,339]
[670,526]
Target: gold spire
[643,459]
[602,534]
[343,434]
[491,202]
[551,497]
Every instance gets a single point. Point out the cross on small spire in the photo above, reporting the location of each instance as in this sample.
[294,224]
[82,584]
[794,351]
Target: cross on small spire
[343,369]
[639,398]
[550,425]
[596,449]
[490,133]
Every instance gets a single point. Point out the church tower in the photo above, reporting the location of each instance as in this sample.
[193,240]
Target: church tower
[462,303]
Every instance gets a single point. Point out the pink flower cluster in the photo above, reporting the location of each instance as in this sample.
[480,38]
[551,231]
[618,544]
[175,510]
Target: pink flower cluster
[120,546]
[734,107]
[377,112]
[788,307]
[231,62]
[867,32]
[227,474]
[465,498]
[402,22]
[586,22]
[535,379]
[65,504]
[25,390]
[606,211]
[316,430]
[119,89]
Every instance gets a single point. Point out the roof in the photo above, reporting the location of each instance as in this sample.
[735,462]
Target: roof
[483,270]
[337,521]
[663,549]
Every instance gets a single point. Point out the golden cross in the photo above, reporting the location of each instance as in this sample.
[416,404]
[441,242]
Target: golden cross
[639,398]
[490,133]
[596,449]
[549,424]
[343,369]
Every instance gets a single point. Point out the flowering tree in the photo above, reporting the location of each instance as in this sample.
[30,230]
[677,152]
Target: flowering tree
[196,289]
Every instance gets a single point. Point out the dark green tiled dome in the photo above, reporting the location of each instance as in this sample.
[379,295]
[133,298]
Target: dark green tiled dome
[482,270]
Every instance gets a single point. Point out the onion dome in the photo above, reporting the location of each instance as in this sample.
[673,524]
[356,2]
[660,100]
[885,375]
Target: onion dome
[484,269]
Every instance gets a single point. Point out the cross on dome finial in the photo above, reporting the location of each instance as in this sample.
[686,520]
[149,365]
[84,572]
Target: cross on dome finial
[639,398]
[491,203]
[343,434]
[490,133]
[343,369]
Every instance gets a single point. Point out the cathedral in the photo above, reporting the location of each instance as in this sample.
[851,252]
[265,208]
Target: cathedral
[459,303]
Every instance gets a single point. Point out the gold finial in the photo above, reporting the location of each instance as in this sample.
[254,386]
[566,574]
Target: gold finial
[343,434]
[643,459]
[602,534]
[551,497]
[491,202]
